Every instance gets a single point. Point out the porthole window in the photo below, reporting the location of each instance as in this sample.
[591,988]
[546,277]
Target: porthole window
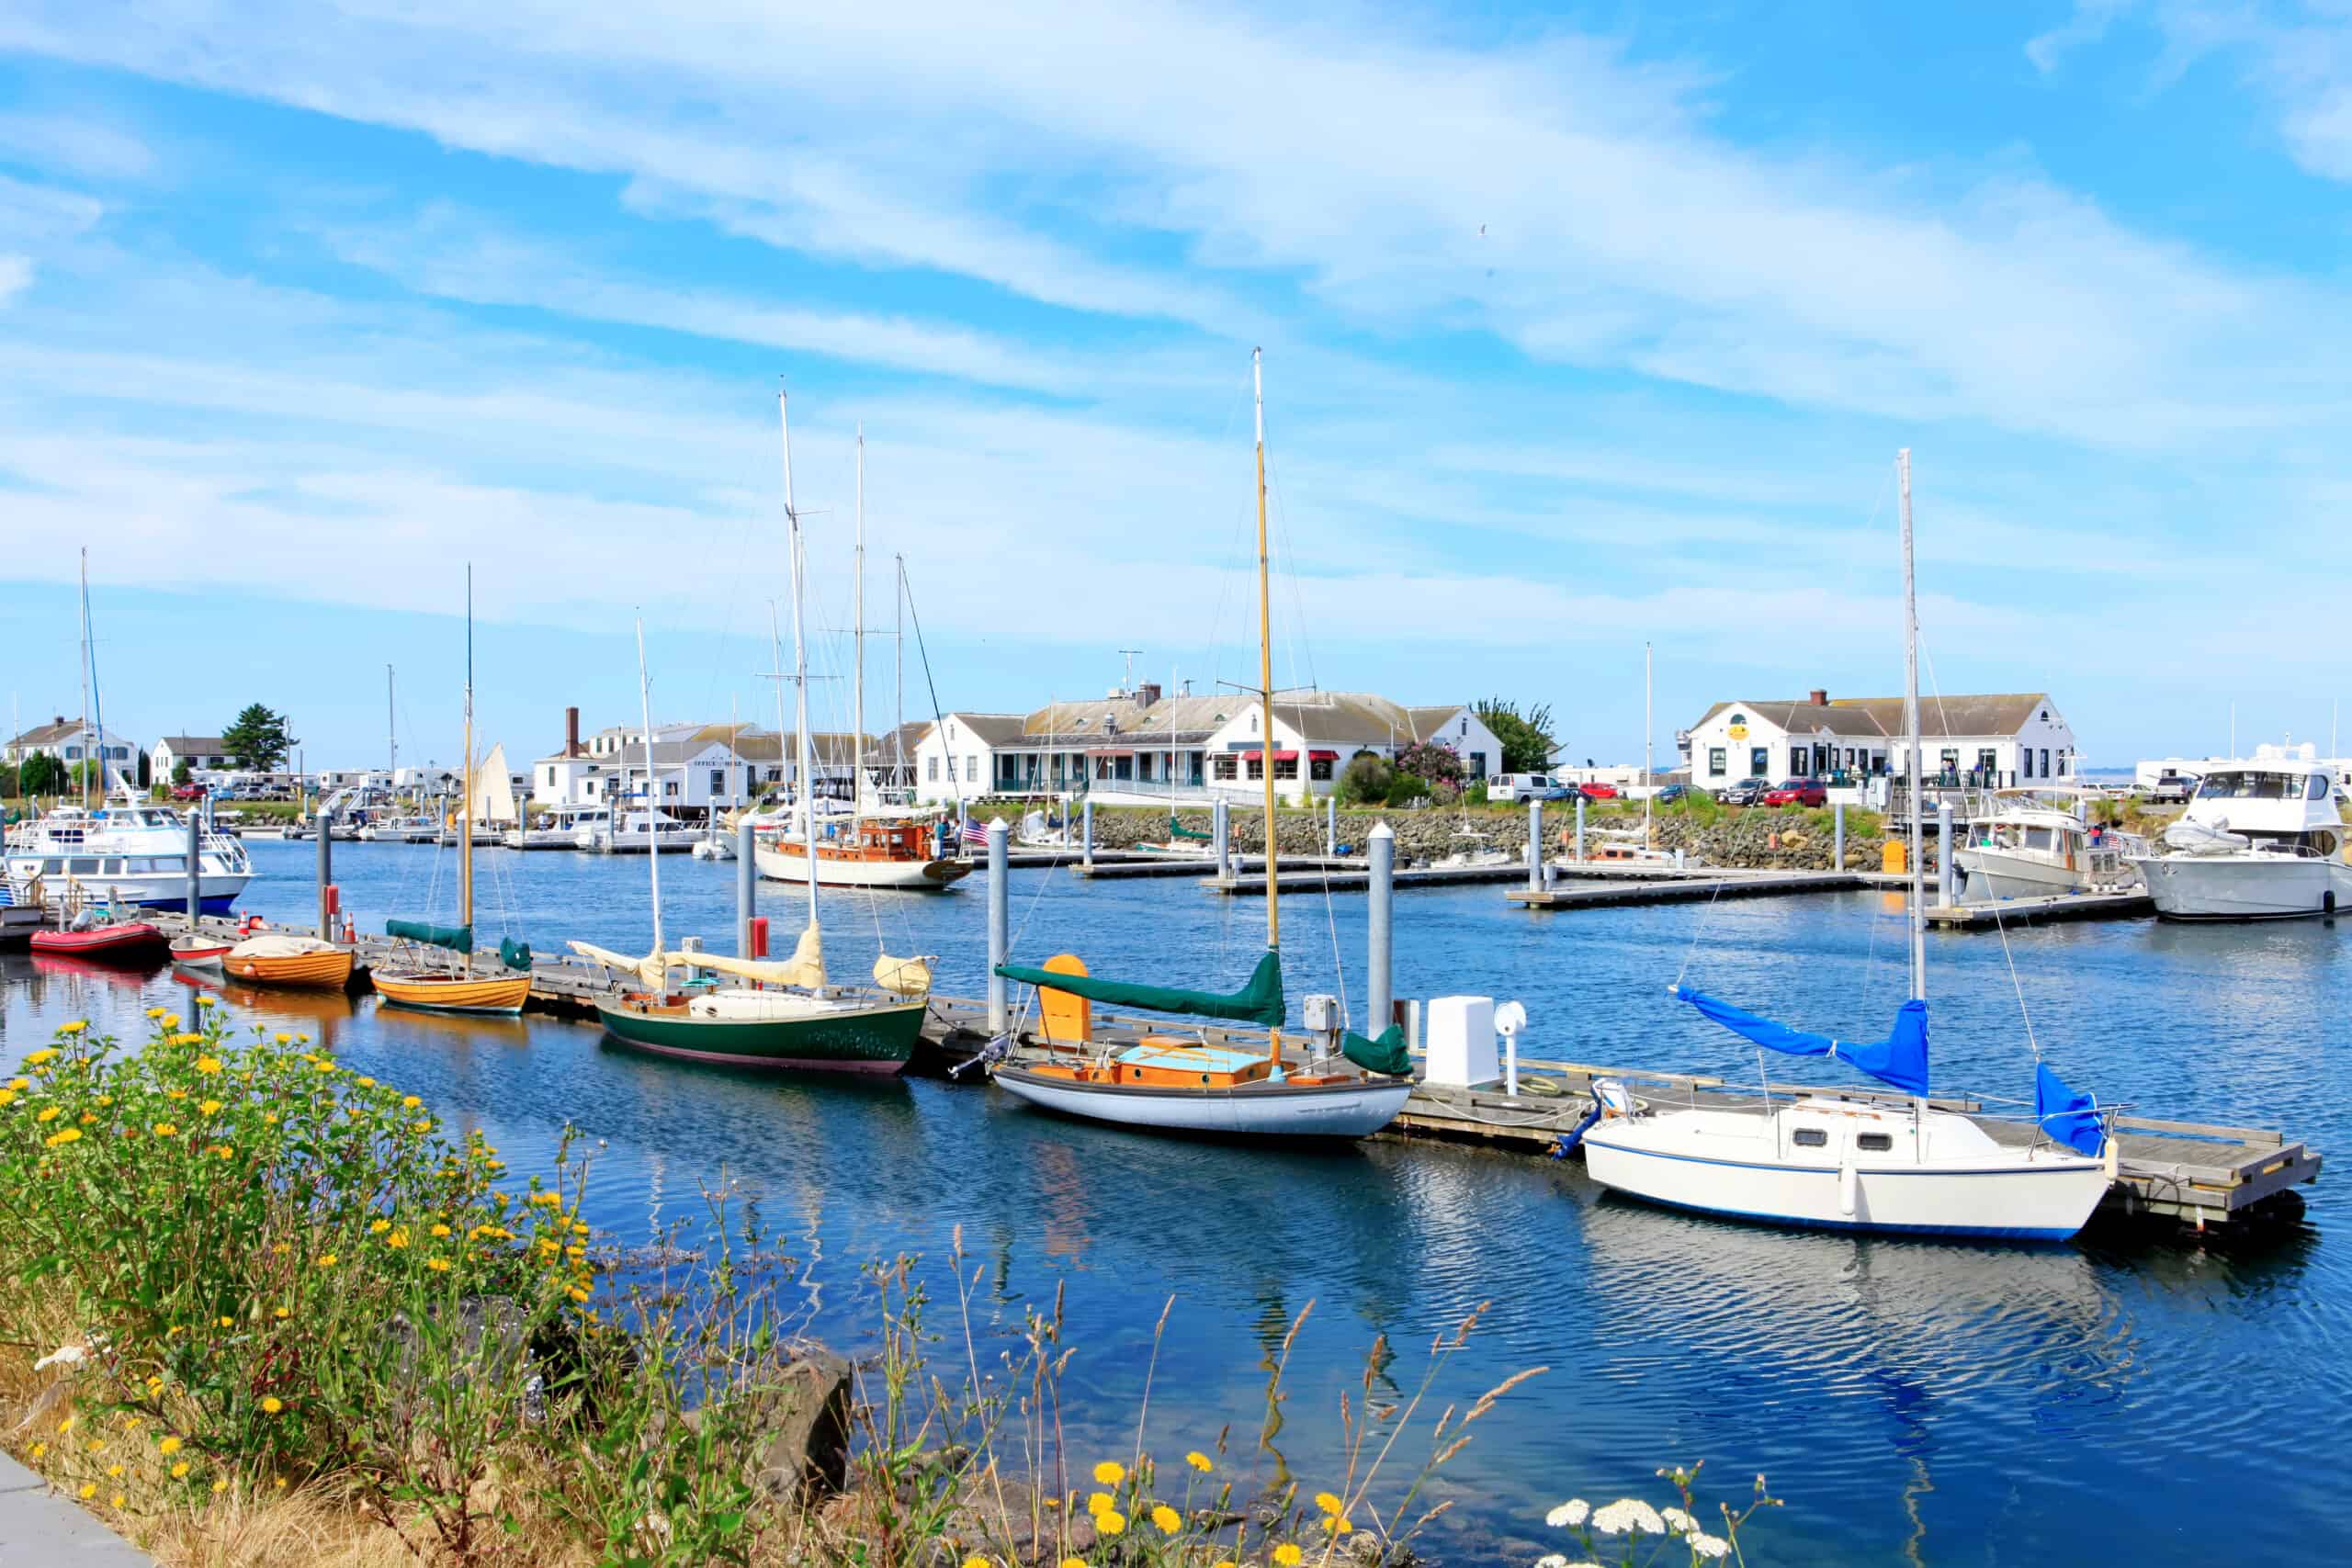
[1876,1143]
[1811,1138]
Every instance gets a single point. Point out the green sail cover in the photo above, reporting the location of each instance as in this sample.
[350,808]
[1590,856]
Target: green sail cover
[1385,1054]
[1178,831]
[515,955]
[458,939]
[1260,1001]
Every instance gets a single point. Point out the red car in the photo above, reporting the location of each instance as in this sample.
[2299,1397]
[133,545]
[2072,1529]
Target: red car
[1599,791]
[1797,792]
[188,791]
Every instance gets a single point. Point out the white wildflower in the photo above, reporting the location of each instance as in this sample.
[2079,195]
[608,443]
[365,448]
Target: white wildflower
[1628,1513]
[1568,1515]
[63,1356]
[1704,1545]
[1554,1561]
[1677,1521]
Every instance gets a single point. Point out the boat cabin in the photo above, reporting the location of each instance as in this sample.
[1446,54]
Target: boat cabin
[2283,805]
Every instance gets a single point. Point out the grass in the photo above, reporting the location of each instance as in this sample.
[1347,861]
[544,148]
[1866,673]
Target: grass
[261,1310]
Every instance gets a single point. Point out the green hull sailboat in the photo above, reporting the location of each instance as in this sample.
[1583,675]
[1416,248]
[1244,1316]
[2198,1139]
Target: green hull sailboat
[781,1029]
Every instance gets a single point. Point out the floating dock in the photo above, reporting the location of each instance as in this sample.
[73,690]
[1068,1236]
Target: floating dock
[1654,885]
[1996,913]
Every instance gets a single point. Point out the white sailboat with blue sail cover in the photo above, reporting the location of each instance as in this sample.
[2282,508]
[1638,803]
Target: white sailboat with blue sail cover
[1862,1163]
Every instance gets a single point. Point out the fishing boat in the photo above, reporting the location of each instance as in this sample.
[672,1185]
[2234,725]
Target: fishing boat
[277,959]
[895,849]
[2261,840]
[1220,1088]
[1859,1163]
[782,1015]
[432,967]
[120,939]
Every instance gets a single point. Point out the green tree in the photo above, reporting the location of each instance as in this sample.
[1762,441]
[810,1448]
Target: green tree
[1526,738]
[180,773]
[258,739]
[1365,780]
[146,771]
[40,774]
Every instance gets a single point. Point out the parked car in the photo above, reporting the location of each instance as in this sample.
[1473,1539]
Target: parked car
[1746,792]
[1672,794]
[1525,787]
[1797,792]
[2172,789]
[188,792]
[1598,791]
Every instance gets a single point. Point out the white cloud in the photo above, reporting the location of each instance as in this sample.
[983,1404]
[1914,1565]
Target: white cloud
[16,276]
[77,143]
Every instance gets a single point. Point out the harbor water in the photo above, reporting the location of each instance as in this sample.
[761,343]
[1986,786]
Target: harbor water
[2128,1397]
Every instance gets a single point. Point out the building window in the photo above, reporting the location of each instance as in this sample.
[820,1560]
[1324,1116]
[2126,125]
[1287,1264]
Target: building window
[1477,766]
[1226,767]
[1714,761]
[2045,762]
[1258,767]
[1320,767]
[719,781]
[934,770]
[72,751]
[971,768]
[1286,768]
[1759,761]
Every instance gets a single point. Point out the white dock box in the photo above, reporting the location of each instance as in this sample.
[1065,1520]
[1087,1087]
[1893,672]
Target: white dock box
[1461,1036]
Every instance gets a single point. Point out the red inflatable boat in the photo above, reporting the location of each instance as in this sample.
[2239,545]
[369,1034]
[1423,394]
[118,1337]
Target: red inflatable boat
[133,939]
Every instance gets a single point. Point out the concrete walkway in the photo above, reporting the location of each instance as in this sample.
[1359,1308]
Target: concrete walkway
[41,1530]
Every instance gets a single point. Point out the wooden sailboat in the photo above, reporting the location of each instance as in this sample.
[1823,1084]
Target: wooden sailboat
[1196,1086]
[785,1015]
[419,976]
[887,851]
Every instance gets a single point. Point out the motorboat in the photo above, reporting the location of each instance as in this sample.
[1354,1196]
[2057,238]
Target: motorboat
[639,832]
[1874,1162]
[2261,840]
[2029,848]
[713,844]
[401,831]
[127,853]
[130,940]
[558,829]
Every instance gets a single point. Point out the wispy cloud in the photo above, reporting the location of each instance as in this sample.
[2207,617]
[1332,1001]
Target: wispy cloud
[73,143]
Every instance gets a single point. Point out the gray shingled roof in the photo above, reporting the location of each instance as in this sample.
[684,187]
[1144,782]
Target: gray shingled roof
[1882,718]
[196,745]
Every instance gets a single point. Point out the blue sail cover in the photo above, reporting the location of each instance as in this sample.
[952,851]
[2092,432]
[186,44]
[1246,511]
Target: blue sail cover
[1900,1059]
[2066,1113]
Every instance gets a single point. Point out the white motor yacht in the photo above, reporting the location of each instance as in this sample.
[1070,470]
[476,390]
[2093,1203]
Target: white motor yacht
[127,853]
[558,829]
[2030,849]
[638,833]
[2261,840]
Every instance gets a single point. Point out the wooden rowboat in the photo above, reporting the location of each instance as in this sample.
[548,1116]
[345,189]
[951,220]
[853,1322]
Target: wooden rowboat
[451,991]
[290,961]
[199,951]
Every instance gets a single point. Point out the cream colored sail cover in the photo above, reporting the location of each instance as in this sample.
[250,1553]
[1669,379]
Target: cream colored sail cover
[805,968]
[650,969]
[908,976]
[493,797]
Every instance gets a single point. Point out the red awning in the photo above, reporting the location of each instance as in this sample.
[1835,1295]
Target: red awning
[1279,756]
[1322,756]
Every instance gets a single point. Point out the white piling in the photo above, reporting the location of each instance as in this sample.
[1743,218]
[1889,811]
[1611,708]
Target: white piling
[747,882]
[999,922]
[1381,913]
[326,875]
[1838,839]
[1086,854]
[1330,824]
[1221,829]
[1579,827]
[1535,845]
[1943,853]
[194,867]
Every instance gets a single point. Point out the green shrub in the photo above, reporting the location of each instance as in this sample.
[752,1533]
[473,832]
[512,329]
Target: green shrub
[1365,780]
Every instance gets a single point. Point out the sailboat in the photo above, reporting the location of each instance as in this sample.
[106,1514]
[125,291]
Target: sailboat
[419,975]
[785,1015]
[893,850]
[1177,1085]
[1861,1163]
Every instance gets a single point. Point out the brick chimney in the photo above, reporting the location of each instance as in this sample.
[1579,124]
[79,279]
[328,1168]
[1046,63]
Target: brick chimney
[1148,694]
[572,732]
[1818,698]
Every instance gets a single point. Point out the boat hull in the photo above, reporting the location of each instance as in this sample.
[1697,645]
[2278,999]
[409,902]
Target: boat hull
[133,941]
[876,1041]
[198,952]
[307,971]
[1993,875]
[908,876]
[486,994]
[2246,887]
[1354,1110]
[2017,1200]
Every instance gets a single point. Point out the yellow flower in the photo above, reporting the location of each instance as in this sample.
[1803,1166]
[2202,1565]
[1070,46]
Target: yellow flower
[1199,1462]
[220,1486]
[409,1102]
[1326,1501]
[208,1065]
[179,1470]
[113,1471]
[420,1126]
[326,1260]
[228,1323]
[89,1490]
[1098,1502]
[270,1117]
[203,1000]
[440,1230]
[224,1151]
[379,1226]
[166,1130]
[185,1039]
[284,1312]
[978,1563]
[325,1065]
[366,1083]
[67,1137]
[272,1406]
[1165,1517]
[284,1038]
[1073,1563]
[155,1012]
[210,1108]
[115,1501]
[397,1240]
[439,1264]
[48,1113]
[1110,1521]
[1287,1556]
[577,1294]
[1110,1472]
[66,1425]
[40,1448]
[20,1085]
[1338,1524]
[86,1117]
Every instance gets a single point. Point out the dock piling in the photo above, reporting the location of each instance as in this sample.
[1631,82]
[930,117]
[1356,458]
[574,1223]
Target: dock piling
[1379,925]
[1838,836]
[326,876]
[1221,827]
[1086,856]
[1943,853]
[747,885]
[1331,825]
[194,867]
[1000,920]
[1579,826]
[1535,845]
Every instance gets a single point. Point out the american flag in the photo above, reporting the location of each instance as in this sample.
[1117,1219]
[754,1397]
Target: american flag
[974,834]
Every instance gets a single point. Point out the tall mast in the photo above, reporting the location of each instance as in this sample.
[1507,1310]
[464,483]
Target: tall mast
[898,759]
[1649,747]
[85,680]
[391,734]
[799,670]
[654,841]
[857,644]
[465,812]
[1918,911]
[1266,661]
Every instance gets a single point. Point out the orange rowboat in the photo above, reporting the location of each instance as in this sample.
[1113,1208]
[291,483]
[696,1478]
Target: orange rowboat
[449,991]
[290,961]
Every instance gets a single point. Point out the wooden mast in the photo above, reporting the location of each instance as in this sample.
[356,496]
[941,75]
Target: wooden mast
[1266,684]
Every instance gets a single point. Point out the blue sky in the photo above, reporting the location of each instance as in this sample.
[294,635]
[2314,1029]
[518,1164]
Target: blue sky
[1584,326]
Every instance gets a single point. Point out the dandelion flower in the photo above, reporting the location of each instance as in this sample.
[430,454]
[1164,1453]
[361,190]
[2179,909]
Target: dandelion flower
[1199,1462]
[397,1240]
[284,1038]
[155,1012]
[202,1001]
[1110,1472]
[70,1134]
[188,1039]
[1098,1502]
[89,1490]
[440,1230]
[1072,1563]
[113,1471]
[40,1448]
[1326,1501]
[168,1446]
[1626,1514]
[228,1323]
[272,1406]
[220,1486]
[1166,1519]
[366,1083]
[1287,1556]
[977,1561]
[8,1097]
[166,1130]
[284,1312]
[210,1108]
[409,1102]
[179,1470]
[66,1425]
[378,1227]
[439,1264]
[326,1260]
[1110,1521]
[1340,1523]
[325,1065]
[208,1065]
[48,1113]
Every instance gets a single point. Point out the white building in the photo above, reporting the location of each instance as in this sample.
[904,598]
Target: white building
[702,768]
[195,751]
[72,742]
[1992,743]
[1145,746]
